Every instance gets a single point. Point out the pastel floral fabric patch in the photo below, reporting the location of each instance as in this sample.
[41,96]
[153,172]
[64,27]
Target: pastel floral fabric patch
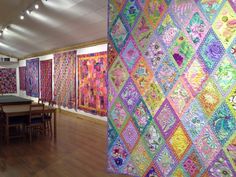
[172,88]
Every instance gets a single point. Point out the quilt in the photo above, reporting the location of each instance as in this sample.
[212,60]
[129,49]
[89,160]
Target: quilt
[172,88]
[8,80]
[92,82]
[22,77]
[64,79]
[32,77]
[46,80]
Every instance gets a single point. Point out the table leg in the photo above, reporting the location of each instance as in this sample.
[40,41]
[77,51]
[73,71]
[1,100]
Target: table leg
[7,130]
[55,125]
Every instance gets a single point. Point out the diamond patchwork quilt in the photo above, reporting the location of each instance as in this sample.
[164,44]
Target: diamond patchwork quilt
[172,88]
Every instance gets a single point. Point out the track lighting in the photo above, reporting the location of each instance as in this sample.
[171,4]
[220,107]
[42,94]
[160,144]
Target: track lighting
[22,17]
[6,28]
[28,12]
[36,6]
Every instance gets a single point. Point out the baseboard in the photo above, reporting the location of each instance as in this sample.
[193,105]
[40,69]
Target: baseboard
[84,116]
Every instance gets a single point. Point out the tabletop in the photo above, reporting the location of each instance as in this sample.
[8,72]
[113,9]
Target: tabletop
[23,109]
[12,99]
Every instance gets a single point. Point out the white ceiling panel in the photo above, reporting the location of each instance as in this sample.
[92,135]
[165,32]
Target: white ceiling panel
[56,24]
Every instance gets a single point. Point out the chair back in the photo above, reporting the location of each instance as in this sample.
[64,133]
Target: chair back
[40,101]
[36,111]
[1,108]
[2,114]
[51,103]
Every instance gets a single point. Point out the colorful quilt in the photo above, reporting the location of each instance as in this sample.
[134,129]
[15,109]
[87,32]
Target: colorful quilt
[64,79]
[8,80]
[172,88]
[32,77]
[92,82]
[22,77]
[46,79]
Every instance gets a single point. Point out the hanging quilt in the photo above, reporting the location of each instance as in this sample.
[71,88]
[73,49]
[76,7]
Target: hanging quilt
[32,77]
[64,79]
[22,77]
[92,82]
[172,88]
[46,80]
[8,80]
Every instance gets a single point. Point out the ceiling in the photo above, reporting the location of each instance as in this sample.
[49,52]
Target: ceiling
[56,24]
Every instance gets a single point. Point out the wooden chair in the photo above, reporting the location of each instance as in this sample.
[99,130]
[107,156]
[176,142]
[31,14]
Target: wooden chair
[2,124]
[14,125]
[48,119]
[35,122]
[40,101]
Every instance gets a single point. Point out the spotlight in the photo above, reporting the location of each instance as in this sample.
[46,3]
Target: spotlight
[36,6]
[28,12]
[6,28]
[22,17]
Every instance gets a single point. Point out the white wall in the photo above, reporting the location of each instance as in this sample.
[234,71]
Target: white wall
[94,49]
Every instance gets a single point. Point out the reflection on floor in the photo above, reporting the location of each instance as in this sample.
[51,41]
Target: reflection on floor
[80,151]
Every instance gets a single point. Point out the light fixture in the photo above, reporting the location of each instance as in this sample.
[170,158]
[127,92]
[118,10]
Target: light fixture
[22,17]
[6,28]
[28,12]
[36,6]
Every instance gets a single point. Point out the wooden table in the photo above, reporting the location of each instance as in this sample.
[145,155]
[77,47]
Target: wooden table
[13,100]
[23,110]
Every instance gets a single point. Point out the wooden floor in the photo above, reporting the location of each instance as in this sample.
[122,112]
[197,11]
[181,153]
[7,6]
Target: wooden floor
[80,151]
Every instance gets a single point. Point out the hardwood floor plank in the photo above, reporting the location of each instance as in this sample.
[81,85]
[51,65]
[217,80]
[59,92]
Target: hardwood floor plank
[80,151]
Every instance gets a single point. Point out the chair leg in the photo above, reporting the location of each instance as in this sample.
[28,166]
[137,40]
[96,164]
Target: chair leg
[25,132]
[45,128]
[30,134]
[7,135]
[1,133]
[50,129]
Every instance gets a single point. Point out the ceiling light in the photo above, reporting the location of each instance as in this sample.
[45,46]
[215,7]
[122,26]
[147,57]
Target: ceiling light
[36,6]
[22,17]
[6,28]
[28,12]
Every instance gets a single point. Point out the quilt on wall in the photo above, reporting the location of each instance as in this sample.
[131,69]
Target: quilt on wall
[22,77]
[172,87]
[92,82]
[46,80]
[8,80]
[32,77]
[64,79]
